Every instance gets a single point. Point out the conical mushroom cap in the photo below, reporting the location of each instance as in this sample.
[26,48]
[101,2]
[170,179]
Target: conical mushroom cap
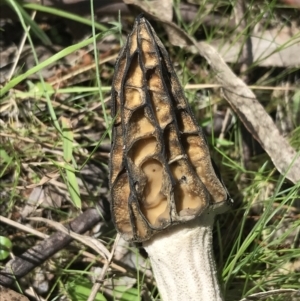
[161,173]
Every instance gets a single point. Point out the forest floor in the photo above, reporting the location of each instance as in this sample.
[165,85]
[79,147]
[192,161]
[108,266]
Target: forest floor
[56,68]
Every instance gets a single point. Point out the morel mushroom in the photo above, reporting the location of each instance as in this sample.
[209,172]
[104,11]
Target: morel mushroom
[165,188]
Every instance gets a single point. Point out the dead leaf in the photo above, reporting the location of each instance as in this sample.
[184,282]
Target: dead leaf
[163,9]
[42,196]
[10,295]
[253,115]
[277,48]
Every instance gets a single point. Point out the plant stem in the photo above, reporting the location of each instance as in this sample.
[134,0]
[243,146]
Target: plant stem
[183,263]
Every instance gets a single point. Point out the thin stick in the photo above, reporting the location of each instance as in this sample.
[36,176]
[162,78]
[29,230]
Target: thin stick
[35,256]
[254,87]
[20,48]
[264,295]
[97,285]
[22,227]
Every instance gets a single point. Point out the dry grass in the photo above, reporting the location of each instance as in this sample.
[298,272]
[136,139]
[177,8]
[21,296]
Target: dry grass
[55,139]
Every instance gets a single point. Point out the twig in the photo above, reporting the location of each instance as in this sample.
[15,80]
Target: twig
[243,30]
[96,287]
[91,242]
[253,87]
[20,48]
[264,295]
[246,58]
[81,70]
[22,227]
[35,256]
[224,125]
[44,236]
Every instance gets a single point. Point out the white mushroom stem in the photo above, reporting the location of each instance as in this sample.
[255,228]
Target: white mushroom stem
[183,263]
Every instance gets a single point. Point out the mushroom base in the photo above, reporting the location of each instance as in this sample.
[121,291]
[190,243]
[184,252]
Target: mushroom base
[183,263]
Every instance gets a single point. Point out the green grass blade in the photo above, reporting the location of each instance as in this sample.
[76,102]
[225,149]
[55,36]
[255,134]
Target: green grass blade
[67,135]
[73,188]
[33,26]
[64,14]
[44,64]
